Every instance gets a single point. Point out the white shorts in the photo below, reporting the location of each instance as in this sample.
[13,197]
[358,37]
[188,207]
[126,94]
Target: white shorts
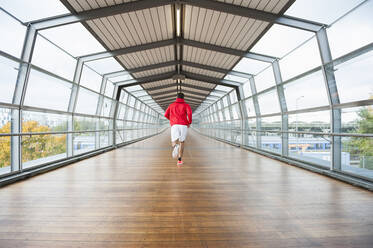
[179,132]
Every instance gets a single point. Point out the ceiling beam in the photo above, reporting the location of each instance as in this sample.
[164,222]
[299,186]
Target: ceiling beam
[257,14]
[183,85]
[147,79]
[60,20]
[213,80]
[186,96]
[227,50]
[175,92]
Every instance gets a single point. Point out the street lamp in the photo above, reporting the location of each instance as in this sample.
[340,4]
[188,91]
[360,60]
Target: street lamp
[296,121]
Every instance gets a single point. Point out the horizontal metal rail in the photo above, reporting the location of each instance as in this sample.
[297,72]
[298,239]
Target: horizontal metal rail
[70,132]
[361,135]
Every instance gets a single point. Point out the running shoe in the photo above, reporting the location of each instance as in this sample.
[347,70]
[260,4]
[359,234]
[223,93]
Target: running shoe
[179,163]
[175,151]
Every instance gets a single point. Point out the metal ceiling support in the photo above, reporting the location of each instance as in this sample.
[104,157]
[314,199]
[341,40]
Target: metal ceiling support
[184,85]
[257,112]
[227,50]
[97,13]
[183,90]
[126,50]
[143,80]
[257,14]
[213,80]
[173,96]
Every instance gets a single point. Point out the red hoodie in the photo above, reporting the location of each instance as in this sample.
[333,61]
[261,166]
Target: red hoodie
[178,112]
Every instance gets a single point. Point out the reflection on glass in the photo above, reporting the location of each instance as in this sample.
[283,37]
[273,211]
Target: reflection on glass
[44,122]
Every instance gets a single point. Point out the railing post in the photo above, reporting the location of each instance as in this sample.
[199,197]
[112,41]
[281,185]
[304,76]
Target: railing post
[331,86]
[19,96]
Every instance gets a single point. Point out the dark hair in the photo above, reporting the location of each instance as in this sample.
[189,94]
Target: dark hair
[180,95]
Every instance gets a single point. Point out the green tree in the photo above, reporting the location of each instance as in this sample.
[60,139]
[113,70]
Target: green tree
[33,146]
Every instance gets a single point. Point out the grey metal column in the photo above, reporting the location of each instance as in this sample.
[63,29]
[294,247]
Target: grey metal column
[331,86]
[99,110]
[243,114]
[72,106]
[283,106]
[19,96]
[257,112]
[114,114]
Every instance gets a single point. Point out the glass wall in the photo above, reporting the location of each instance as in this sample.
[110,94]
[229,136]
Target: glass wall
[51,115]
[314,113]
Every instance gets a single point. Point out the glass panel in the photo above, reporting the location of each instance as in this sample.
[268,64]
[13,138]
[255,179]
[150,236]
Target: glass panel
[90,79]
[235,112]
[122,78]
[306,92]
[109,89]
[131,101]
[250,66]
[271,141]
[357,152]
[45,91]
[355,78]
[321,9]
[83,123]
[104,139]
[308,147]
[300,60]
[265,79]
[106,107]
[5,127]
[83,142]
[13,35]
[31,10]
[44,122]
[41,149]
[129,115]
[227,115]
[53,59]
[286,38]
[359,27]
[268,103]
[86,44]
[8,79]
[87,102]
[247,89]
[233,96]
[104,66]
[250,107]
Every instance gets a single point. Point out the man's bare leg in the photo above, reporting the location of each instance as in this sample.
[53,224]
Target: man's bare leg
[181,149]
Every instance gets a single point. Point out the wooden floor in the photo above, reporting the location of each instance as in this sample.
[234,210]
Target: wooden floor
[223,196]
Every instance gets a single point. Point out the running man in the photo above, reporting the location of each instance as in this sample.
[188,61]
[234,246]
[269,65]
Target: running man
[180,115]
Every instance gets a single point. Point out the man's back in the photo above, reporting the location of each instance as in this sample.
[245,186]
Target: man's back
[179,113]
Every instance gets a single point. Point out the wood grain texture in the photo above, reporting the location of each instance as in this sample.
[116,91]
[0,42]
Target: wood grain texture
[222,196]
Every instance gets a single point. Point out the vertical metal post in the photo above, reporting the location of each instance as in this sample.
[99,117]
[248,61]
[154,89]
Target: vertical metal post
[99,108]
[243,114]
[114,115]
[284,109]
[19,96]
[72,106]
[331,86]
[257,112]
